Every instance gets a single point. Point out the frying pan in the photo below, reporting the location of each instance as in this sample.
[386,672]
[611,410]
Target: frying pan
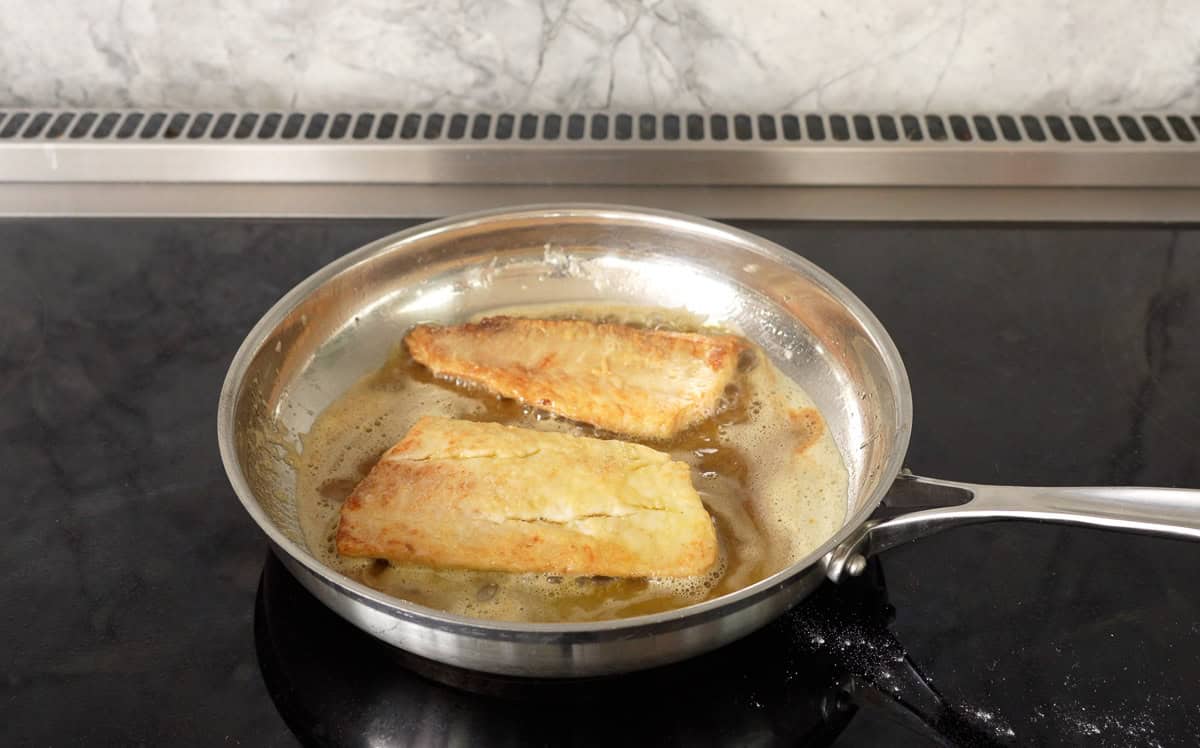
[341,323]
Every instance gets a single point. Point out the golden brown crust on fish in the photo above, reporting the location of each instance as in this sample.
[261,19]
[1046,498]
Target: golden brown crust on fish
[644,383]
[460,494]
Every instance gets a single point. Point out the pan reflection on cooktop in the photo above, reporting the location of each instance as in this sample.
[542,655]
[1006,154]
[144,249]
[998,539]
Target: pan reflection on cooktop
[799,681]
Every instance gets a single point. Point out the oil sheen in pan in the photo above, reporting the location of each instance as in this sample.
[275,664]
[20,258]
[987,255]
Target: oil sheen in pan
[766,467]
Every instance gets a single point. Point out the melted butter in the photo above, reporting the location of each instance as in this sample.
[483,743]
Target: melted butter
[765,466]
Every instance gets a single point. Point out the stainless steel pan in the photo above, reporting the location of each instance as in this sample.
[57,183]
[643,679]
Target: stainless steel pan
[340,323]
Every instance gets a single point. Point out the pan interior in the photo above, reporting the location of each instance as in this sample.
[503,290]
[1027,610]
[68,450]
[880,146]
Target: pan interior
[342,323]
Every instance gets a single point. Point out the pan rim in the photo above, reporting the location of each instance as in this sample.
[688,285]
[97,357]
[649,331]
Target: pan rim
[579,631]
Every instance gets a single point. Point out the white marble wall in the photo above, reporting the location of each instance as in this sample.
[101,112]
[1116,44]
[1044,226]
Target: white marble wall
[1034,55]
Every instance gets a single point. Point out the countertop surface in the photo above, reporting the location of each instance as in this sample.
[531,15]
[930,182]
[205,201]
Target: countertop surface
[773,55]
[134,615]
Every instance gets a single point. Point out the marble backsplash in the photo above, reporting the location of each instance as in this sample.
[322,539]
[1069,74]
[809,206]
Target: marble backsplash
[766,55]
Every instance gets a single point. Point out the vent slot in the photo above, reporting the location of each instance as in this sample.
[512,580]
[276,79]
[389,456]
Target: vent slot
[960,129]
[84,124]
[529,127]
[599,126]
[623,127]
[13,125]
[481,126]
[153,124]
[316,126]
[107,124]
[1129,126]
[1180,126]
[504,126]
[767,129]
[1058,129]
[983,126]
[412,125]
[245,126]
[129,126]
[36,125]
[270,126]
[815,126]
[433,126]
[223,125]
[1082,129]
[1033,128]
[670,126]
[61,123]
[838,128]
[718,127]
[1107,129]
[742,128]
[935,127]
[791,127]
[363,126]
[339,126]
[552,128]
[575,126]
[912,128]
[293,124]
[887,128]
[862,128]
[387,126]
[458,127]
[175,126]
[199,126]
[1008,127]
[1156,129]
[647,127]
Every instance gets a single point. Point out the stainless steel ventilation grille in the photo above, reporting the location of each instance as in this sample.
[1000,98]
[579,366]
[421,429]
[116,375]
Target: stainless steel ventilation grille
[624,129]
[432,163]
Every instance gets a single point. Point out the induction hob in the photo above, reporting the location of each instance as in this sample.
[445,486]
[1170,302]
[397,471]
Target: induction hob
[141,610]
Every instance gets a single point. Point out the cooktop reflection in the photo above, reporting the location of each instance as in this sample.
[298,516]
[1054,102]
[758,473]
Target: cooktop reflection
[800,681]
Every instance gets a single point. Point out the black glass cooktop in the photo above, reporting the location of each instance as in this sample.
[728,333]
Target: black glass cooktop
[142,607]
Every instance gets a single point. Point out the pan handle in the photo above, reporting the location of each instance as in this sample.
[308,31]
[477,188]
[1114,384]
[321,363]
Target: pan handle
[915,507]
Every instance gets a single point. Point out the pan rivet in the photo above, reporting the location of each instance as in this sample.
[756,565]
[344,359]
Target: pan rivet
[855,565]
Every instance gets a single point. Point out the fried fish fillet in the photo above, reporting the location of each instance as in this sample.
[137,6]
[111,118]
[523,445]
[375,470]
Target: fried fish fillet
[644,383]
[460,494]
